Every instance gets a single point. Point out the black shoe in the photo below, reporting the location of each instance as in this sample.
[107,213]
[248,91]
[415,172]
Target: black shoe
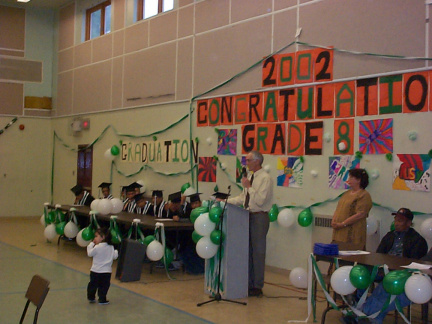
[255,292]
[92,301]
[103,302]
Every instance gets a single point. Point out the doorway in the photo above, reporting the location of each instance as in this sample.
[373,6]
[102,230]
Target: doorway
[85,166]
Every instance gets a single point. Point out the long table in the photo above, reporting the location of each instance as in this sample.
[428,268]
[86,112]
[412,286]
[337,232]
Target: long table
[147,221]
[372,259]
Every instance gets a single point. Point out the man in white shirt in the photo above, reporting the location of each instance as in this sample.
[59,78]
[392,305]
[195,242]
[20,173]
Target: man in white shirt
[257,199]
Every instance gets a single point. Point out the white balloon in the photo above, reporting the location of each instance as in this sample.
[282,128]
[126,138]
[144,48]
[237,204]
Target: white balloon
[80,241]
[340,281]
[426,229]
[189,191]
[155,251]
[203,225]
[418,288]
[50,232]
[42,220]
[371,226]
[205,248]
[342,146]
[104,207]
[117,205]
[71,230]
[298,277]
[94,204]
[286,217]
[108,155]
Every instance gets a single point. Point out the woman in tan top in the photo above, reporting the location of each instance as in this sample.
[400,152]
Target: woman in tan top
[349,218]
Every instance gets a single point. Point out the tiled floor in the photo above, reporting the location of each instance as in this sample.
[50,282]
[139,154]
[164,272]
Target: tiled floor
[154,299]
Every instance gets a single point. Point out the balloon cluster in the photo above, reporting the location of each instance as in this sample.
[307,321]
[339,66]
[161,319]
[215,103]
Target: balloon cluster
[418,287]
[107,206]
[206,235]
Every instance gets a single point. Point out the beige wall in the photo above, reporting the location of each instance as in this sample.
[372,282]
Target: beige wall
[139,79]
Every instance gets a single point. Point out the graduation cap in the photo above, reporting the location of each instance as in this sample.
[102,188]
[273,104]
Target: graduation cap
[221,195]
[157,193]
[175,197]
[194,197]
[130,188]
[135,185]
[77,189]
[105,185]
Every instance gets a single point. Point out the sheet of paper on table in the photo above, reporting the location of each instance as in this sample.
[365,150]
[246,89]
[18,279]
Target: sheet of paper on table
[356,252]
[419,266]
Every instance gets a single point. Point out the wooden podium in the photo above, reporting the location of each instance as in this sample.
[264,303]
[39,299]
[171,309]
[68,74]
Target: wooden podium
[235,257]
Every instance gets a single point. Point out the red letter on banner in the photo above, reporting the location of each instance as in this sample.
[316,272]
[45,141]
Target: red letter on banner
[214,112]
[287,105]
[295,143]
[324,101]
[304,67]
[345,99]
[202,113]
[416,89]
[390,94]
[286,69]
[367,97]
[226,111]
[269,71]
[248,138]
[313,138]
[270,106]
[255,107]
[241,108]
[344,136]
[323,69]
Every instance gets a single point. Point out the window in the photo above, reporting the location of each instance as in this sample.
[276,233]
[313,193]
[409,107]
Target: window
[149,8]
[98,20]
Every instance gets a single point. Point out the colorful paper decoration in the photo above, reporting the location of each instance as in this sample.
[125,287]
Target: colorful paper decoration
[412,172]
[290,172]
[338,170]
[227,142]
[376,136]
[207,169]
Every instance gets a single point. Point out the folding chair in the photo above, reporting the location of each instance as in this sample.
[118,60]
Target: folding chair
[36,293]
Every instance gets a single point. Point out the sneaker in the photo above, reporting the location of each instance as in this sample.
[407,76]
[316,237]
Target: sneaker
[92,301]
[104,302]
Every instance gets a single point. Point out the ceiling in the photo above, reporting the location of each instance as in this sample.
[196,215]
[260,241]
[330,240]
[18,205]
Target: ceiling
[36,3]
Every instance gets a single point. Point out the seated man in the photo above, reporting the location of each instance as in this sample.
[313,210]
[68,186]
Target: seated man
[174,209]
[142,204]
[129,204]
[106,191]
[158,208]
[187,207]
[82,197]
[404,241]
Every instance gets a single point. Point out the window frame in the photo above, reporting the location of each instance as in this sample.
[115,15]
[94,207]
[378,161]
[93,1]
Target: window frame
[101,6]
[140,9]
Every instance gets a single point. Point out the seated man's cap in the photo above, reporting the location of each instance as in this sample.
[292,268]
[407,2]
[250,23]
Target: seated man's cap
[77,189]
[175,197]
[138,197]
[130,188]
[221,195]
[105,185]
[405,212]
[194,197]
[135,185]
[157,193]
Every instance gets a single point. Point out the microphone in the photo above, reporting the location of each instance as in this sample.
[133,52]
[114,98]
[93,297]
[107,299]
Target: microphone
[244,172]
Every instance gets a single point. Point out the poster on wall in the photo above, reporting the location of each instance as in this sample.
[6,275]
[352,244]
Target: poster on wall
[338,170]
[290,172]
[376,136]
[207,169]
[411,172]
[227,142]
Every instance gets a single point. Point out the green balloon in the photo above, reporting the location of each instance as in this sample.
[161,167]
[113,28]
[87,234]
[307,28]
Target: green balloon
[115,237]
[215,214]
[50,217]
[360,277]
[148,239]
[273,213]
[305,217]
[394,281]
[60,228]
[169,256]
[115,150]
[88,234]
[196,237]
[216,236]
[141,241]
[184,187]
[196,212]
[392,226]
